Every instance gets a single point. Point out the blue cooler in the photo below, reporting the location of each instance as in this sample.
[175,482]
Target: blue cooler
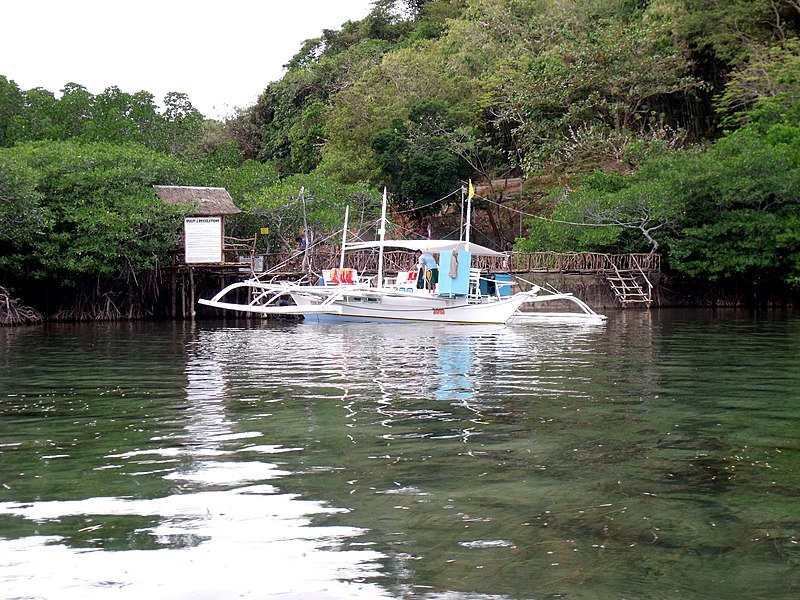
[486,286]
[502,283]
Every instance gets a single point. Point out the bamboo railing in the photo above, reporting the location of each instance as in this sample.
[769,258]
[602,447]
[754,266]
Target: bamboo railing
[235,249]
[583,262]
[366,261]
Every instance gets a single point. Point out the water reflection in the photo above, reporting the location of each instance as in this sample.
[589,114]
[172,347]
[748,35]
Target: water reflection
[205,394]
[218,531]
[395,417]
[654,456]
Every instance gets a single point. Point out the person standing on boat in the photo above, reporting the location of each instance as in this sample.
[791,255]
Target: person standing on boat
[420,269]
[428,263]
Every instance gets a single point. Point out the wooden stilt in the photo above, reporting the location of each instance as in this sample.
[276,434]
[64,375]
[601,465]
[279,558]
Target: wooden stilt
[183,296]
[174,297]
[191,292]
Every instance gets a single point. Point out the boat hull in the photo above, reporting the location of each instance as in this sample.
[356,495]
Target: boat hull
[362,303]
[413,308]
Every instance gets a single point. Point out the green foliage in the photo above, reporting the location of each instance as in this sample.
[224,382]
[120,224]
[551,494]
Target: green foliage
[432,19]
[224,155]
[612,212]
[727,214]
[11,108]
[424,93]
[288,117]
[769,79]
[244,183]
[316,115]
[21,212]
[100,216]
[307,136]
[113,116]
[741,218]
[610,78]
[572,85]
[404,78]
[744,245]
[181,123]
[279,207]
[230,142]
[416,159]
[727,31]
[37,120]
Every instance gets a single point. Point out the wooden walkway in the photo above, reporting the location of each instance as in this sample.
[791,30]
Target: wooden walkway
[591,263]
[366,261]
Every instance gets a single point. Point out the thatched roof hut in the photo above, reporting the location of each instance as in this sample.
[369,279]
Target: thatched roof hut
[213,201]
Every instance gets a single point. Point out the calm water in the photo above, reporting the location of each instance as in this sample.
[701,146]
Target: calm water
[655,456]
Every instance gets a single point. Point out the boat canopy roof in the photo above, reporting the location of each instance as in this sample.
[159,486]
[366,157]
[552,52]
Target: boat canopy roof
[433,246]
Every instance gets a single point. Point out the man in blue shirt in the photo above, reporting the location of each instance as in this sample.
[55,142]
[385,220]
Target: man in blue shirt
[428,263]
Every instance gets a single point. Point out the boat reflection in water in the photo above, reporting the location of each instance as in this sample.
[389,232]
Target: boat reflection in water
[395,422]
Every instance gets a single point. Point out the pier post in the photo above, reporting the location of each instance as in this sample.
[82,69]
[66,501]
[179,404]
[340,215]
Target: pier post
[191,293]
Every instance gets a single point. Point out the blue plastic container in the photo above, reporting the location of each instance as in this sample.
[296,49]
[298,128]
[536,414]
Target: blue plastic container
[502,283]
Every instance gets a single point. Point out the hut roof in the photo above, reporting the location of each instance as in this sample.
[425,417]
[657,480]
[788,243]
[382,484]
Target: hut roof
[213,200]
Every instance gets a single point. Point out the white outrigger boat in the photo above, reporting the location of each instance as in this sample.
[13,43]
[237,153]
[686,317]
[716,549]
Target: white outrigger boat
[462,295]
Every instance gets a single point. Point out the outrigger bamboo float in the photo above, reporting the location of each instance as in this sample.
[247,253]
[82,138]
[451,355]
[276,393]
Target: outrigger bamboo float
[463,294]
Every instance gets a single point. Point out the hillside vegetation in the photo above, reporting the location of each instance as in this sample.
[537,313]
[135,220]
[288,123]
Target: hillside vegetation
[636,125]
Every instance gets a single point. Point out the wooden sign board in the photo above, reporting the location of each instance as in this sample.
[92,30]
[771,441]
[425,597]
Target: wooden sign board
[203,239]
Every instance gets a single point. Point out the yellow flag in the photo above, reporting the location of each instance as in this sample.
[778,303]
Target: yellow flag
[471,189]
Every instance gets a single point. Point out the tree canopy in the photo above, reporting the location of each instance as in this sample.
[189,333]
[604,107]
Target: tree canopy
[88,210]
[728,213]
[113,116]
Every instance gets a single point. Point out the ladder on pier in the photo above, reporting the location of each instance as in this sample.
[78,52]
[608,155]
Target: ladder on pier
[631,286]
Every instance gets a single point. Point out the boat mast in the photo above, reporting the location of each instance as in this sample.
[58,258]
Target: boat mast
[469,217]
[461,226]
[306,237]
[382,234]
[344,235]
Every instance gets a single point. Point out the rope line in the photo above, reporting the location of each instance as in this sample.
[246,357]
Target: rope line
[516,210]
[548,219]
[416,208]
